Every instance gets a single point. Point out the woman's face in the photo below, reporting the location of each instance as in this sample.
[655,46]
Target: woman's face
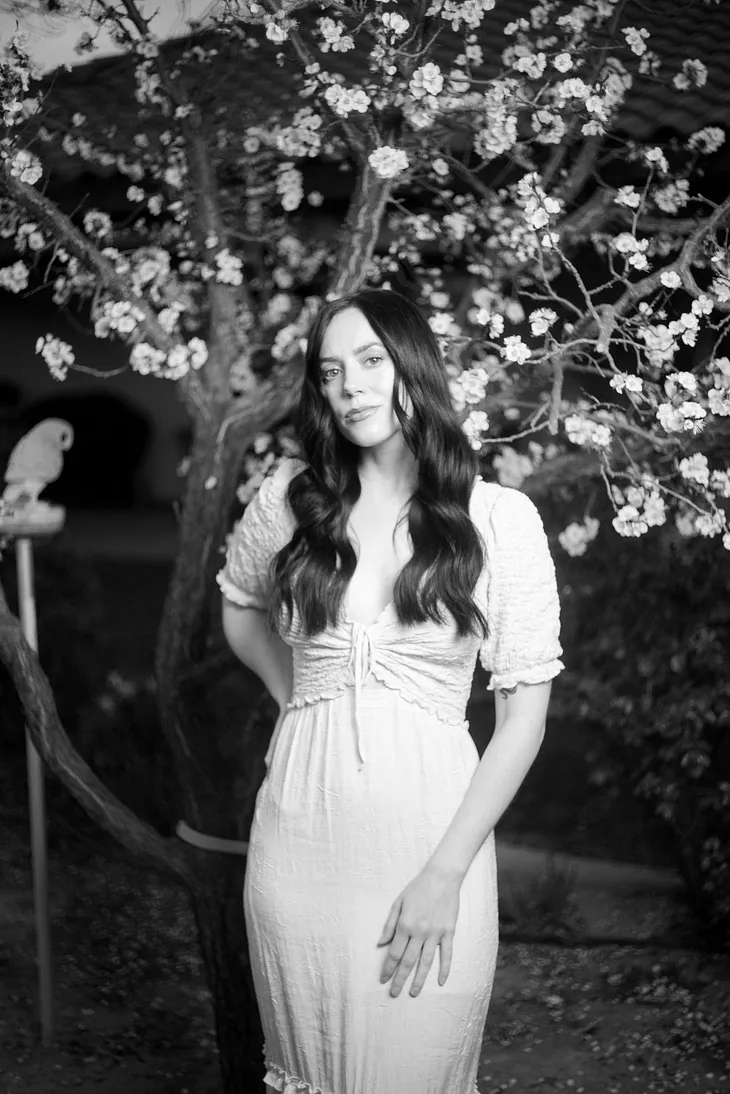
[357,378]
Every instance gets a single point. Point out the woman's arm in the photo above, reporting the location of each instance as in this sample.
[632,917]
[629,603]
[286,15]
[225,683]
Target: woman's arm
[424,916]
[259,648]
[518,733]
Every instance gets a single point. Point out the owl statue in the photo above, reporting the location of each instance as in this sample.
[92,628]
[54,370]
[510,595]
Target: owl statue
[36,460]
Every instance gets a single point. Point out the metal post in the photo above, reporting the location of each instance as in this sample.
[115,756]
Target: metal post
[26,598]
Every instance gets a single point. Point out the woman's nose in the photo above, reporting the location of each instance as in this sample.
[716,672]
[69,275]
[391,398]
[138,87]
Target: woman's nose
[352,382]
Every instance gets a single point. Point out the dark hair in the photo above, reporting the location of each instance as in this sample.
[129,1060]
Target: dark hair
[315,568]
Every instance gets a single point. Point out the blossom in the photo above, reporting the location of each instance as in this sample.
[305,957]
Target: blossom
[636,39]
[146,359]
[654,157]
[387,161]
[718,402]
[289,186]
[275,32]
[57,354]
[584,432]
[623,381]
[457,223]
[457,12]
[549,126]
[395,23]
[655,510]
[695,469]
[512,467]
[693,74]
[672,196]
[344,100]
[473,383]
[496,325]
[629,522]
[686,381]
[687,418]
[441,323]
[531,64]
[230,268]
[333,33]
[575,538]
[97,223]
[670,279]
[563,62]
[26,167]
[661,345]
[440,167]
[710,524]
[628,196]
[707,140]
[14,278]
[426,80]
[541,320]
[474,425]
[516,350]
[720,483]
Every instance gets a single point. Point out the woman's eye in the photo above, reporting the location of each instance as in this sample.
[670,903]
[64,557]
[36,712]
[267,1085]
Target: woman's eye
[374,360]
[327,375]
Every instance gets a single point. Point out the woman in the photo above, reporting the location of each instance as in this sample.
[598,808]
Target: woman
[386,566]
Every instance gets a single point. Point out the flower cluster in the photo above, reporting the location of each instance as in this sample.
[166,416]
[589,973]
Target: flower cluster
[173,365]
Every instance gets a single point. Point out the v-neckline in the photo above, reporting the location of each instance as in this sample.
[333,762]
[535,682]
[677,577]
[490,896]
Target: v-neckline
[356,622]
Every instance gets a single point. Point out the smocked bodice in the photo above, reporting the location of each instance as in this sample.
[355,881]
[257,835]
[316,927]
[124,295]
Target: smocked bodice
[429,664]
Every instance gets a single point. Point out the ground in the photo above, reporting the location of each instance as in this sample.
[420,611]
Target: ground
[133,1013]
[132,1009]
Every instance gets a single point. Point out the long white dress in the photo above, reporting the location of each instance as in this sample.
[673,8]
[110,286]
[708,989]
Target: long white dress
[366,768]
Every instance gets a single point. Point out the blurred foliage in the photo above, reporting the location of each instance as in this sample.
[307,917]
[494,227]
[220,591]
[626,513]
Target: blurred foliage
[647,635]
[543,905]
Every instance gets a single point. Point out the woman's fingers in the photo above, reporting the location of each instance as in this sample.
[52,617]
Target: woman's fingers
[424,964]
[408,959]
[390,924]
[447,951]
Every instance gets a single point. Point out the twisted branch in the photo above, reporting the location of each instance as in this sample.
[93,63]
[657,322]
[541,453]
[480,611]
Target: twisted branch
[53,744]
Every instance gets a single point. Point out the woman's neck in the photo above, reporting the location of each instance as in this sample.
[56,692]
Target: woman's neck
[391,471]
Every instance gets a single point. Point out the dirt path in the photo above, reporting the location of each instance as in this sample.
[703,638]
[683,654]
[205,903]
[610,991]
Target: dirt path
[133,1013]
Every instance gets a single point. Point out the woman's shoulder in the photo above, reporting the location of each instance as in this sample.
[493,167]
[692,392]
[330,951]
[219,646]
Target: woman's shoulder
[502,509]
[285,471]
[269,503]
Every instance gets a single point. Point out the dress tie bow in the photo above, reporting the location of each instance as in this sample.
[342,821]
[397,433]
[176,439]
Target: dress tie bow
[362,662]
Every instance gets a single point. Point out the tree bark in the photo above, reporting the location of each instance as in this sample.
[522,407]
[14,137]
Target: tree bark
[224,946]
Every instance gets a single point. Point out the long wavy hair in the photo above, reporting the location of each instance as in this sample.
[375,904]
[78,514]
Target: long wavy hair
[314,569]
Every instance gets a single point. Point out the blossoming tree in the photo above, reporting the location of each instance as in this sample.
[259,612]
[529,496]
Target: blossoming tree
[584,320]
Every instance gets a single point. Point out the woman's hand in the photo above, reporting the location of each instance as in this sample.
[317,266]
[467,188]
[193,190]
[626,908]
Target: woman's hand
[422,919]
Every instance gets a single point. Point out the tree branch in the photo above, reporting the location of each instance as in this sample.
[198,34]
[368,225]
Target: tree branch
[224,313]
[62,228]
[362,228]
[639,290]
[53,744]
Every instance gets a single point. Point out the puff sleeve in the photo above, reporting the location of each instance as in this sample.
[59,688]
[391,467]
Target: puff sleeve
[265,527]
[522,607]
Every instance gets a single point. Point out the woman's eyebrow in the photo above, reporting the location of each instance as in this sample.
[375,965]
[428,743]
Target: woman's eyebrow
[359,350]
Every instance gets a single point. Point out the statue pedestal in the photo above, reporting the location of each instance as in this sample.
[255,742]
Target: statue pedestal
[25,525]
[33,521]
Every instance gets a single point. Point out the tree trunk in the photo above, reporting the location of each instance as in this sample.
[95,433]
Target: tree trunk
[218,912]
[219,736]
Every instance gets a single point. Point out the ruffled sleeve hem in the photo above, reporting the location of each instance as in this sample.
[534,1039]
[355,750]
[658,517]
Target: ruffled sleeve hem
[537,674]
[238,596]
